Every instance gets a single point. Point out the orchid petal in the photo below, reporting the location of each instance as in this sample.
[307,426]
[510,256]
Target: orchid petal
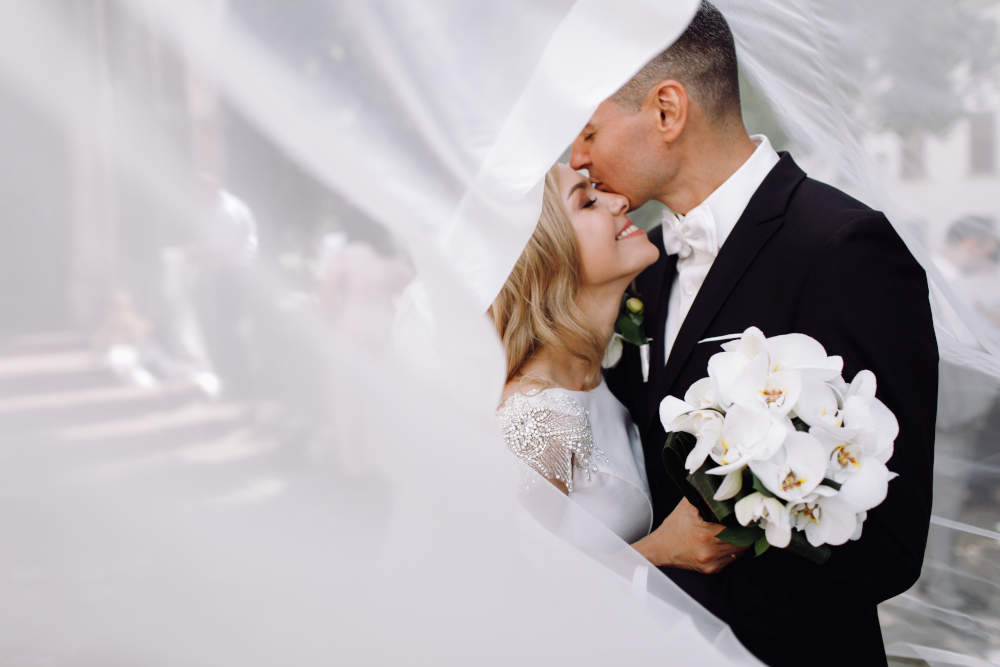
[868,487]
[670,409]
[702,394]
[856,535]
[748,509]
[732,483]
[778,536]
[818,404]
[863,385]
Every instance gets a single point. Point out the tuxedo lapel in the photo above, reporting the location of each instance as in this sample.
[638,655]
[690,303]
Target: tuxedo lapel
[653,287]
[762,217]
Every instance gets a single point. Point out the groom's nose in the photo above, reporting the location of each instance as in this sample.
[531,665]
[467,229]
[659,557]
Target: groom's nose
[579,157]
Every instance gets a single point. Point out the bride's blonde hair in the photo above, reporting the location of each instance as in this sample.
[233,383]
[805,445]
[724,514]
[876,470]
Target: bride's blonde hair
[537,306]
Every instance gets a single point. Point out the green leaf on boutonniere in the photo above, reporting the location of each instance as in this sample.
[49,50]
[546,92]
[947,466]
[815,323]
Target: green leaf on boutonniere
[630,331]
[629,323]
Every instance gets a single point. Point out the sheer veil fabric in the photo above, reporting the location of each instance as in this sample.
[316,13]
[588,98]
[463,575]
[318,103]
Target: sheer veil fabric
[210,458]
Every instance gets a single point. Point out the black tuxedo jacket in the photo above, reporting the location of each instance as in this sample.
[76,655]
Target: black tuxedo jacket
[805,258]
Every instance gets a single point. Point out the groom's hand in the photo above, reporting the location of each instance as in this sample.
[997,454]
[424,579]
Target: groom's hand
[687,542]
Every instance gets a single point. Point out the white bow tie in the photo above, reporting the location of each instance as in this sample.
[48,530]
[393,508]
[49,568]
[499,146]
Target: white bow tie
[694,232]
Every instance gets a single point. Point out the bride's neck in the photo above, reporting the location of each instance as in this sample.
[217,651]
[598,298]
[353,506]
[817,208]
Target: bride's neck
[600,308]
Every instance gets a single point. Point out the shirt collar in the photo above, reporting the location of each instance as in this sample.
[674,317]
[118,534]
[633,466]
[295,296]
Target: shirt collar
[730,199]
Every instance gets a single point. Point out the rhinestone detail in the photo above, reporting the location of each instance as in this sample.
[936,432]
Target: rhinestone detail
[550,433]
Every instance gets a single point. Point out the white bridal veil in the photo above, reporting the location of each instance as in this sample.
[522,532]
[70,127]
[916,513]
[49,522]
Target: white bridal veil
[246,382]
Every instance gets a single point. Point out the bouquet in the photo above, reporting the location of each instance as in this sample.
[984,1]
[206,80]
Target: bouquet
[778,448]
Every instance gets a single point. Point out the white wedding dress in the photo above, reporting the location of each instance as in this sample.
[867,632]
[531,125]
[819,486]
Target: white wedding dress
[585,439]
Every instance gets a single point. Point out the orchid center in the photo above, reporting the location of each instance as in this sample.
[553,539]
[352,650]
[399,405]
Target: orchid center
[791,482]
[846,457]
[725,450]
[773,397]
[808,512]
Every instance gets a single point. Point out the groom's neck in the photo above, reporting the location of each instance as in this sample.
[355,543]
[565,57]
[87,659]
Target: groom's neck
[704,161]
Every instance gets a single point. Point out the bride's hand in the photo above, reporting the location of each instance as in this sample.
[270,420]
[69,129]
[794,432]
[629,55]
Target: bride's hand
[687,542]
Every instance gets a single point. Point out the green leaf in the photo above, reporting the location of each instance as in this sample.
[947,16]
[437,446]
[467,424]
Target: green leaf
[743,536]
[682,442]
[832,484]
[707,485]
[629,331]
[760,546]
[675,451]
[759,486]
[636,319]
[800,547]
[800,425]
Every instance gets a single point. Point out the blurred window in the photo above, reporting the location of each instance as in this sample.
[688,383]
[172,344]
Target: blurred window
[982,143]
[912,159]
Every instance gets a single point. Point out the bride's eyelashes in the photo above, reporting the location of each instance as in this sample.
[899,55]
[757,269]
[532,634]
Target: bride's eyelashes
[590,202]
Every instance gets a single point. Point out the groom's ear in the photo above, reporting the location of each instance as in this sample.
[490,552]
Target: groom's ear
[669,101]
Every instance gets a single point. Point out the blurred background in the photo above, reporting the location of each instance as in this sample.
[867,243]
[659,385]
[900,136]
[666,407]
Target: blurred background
[194,322]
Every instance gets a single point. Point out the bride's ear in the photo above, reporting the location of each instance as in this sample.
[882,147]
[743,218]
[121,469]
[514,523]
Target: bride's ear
[669,101]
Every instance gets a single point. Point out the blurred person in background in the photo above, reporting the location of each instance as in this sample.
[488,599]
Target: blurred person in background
[965,399]
[206,279]
[361,277]
[226,247]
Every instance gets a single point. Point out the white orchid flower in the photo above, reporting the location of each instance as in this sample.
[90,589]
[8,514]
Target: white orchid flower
[770,513]
[706,425]
[798,352]
[818,404]
[703,394]
[865,413]
[725,367]
[825,520]
[866,423]
[747,435]
[863,478]
[795,470]
[758,389]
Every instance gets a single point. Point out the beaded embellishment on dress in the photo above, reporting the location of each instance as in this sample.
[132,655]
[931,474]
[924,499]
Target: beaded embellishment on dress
[551,433]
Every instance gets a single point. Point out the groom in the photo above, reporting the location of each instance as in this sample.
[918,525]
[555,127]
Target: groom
[775,249]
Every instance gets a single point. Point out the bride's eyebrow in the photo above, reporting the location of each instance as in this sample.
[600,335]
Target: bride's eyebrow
[576,186]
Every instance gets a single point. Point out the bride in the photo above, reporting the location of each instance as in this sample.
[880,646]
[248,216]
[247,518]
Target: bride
[555,315]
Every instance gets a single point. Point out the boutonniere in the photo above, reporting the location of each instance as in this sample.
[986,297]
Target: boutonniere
[628,328]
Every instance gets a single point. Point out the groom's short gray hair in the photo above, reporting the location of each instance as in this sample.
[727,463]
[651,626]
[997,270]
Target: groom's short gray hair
[703,59]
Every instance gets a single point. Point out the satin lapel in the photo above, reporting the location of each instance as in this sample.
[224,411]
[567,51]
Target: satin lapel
[653,287]
[761,219]
[661,299]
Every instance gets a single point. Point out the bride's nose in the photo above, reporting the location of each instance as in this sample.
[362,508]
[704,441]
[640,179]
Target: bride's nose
[618,204]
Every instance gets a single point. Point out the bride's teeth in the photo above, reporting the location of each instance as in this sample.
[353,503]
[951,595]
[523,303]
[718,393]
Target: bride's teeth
[625,232]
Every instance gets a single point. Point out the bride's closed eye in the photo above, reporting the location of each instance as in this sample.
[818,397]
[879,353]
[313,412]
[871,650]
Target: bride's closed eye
[589,203]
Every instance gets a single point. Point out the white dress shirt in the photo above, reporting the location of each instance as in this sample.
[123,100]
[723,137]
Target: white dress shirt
[720,212]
